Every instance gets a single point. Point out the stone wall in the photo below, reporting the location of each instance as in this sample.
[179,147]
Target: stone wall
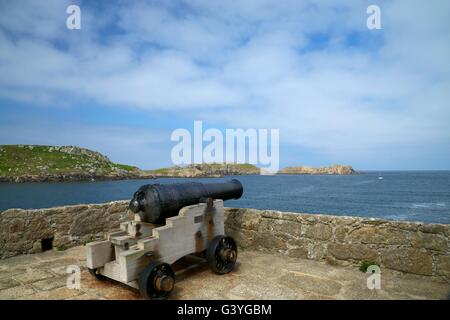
[26,231]
[410,247]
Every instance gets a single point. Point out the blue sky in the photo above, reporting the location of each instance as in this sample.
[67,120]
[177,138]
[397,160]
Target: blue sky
[338,92]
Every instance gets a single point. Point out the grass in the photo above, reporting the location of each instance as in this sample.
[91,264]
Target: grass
[245,167]
[17,160]
[61,248]
[366,264]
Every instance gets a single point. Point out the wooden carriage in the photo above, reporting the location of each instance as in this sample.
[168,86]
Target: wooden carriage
[140,254]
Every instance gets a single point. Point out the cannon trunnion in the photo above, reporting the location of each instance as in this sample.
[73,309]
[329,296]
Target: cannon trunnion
[141,253]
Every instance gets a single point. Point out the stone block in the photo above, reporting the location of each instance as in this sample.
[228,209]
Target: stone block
[16,292]
[50,284]
[443,266]
[340,233]
[245,239]
[16,225]
[87,222]
[287,229]
[417,261]
[435,228]
[318,231]
[38,228]
[298,252]
[379,235]
[32,276]
[352,251]
[316,251]
[429,241]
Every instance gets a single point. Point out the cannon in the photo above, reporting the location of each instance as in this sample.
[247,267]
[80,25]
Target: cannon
[170,222]
[155,202]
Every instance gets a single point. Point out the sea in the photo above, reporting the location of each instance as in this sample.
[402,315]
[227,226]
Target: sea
[422,196]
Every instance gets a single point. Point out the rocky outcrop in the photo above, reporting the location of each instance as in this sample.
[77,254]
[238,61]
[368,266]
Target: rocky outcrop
[206,170]
[80,151]
[409,247]
[30,163]
[75,177]
[334,169]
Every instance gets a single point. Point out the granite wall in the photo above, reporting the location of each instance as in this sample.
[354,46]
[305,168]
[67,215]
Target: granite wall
[28,231]
[409,247]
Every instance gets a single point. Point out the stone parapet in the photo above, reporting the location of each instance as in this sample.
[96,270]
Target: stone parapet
[410,247]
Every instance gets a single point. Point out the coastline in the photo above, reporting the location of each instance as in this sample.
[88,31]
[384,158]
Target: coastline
[70,178]
[87,177]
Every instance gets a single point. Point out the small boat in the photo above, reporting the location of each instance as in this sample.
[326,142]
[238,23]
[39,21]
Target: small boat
[380,178]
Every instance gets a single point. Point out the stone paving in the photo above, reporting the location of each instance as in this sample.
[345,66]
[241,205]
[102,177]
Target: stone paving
[257,276]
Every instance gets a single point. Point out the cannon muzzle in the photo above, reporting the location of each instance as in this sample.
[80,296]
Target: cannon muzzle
[156,202]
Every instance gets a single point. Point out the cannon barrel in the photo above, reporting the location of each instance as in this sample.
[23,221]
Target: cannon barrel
[155,202]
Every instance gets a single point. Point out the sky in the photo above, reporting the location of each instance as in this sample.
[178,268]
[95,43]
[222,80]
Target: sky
[137,70]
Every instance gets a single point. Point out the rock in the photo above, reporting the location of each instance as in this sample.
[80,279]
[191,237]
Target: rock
[429,241]
[316,251]
[299,252]
[443,266]
[435,228]
[16,225]
[37,247]
[206,170]
[318,231]
[416,261]
[87,222]
[244,219]
[86,164]
[38,229]
[286,229]
[340,233]
[352,251]
[246,239]
[379,235]
[334,169]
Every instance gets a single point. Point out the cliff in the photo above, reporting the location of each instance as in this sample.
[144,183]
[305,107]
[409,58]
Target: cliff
[334,169]
[32,163]
[206,170]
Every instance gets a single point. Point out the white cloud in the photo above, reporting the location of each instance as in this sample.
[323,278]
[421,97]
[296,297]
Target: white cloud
[246,63]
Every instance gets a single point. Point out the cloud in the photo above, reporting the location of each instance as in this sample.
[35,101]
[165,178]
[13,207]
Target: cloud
[315,72]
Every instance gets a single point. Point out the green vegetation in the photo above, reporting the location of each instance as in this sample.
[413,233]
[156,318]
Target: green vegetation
[206,169]
[24,163]
[18,160]
[62,247]
[366,264]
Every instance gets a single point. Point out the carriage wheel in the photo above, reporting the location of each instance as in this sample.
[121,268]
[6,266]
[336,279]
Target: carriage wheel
[156,281]
[222,254]
[96,274]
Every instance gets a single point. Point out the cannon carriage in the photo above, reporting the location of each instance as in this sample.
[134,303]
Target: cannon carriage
[141,253]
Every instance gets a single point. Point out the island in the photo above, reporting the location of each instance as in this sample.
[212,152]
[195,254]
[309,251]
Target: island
[38,163]
[334,169]
[207,170]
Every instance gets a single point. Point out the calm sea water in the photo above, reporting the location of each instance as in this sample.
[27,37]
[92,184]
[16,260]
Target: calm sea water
[416,196]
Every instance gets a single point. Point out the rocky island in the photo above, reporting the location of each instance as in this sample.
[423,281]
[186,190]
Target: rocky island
[37,163]
[33,163]
[334,169]
[206,170]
